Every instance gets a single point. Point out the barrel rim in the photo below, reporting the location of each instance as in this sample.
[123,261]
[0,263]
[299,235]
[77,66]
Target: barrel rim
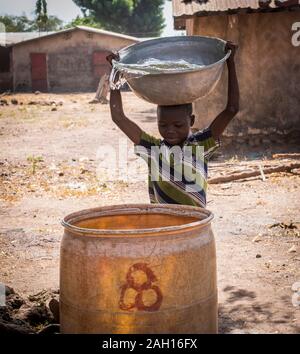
[129,209]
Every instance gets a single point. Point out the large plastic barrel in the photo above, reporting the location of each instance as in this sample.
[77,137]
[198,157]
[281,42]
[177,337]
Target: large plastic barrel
[138,269]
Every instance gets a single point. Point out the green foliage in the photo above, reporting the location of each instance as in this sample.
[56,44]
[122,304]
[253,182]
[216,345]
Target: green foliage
[24,24]
[83,21]
[34,160]
[41,15]
[134,17]
[16,23]
[53,24]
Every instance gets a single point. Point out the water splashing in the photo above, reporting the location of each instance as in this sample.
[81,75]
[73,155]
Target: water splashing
[147,67]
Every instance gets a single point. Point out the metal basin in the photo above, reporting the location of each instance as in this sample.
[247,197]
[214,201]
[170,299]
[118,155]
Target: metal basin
[182,86]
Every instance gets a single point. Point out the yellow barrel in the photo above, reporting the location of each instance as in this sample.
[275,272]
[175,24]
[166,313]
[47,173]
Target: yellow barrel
[138,268]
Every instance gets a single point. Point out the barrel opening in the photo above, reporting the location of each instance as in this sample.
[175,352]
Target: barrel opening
[140,221]
[136,219]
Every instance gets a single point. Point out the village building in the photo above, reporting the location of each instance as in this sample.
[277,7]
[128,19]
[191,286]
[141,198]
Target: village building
[6,42]
[268,64]
[71,60]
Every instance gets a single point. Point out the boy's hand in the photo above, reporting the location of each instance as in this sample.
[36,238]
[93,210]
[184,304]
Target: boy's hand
[231,46]
[112,56]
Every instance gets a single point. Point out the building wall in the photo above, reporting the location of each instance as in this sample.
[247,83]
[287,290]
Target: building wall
[268,69]
[5,69]
[69,60]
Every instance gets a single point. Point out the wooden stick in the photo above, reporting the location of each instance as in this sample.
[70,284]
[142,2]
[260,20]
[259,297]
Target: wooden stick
[4,94]
[262,172]
[295,155]
[234,177]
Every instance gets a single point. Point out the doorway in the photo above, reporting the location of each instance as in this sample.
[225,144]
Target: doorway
[39,72]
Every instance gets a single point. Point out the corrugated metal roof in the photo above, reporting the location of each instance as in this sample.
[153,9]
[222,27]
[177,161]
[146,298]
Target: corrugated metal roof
[100,31]
[188,8]
[9,38]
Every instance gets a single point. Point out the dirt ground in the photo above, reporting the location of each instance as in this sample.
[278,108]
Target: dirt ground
[51,147]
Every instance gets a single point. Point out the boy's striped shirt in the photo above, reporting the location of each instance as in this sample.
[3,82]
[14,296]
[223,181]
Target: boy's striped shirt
[178,181]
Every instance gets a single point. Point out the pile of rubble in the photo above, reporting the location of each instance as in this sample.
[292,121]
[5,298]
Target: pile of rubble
[36,314]
[15,102]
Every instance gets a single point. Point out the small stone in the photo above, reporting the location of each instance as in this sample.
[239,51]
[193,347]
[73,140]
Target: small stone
[4,102]
[54,308]
[257,238]
[258,255]
[268,264]
[54,109]
[60,174]
[9,290]
[37,92]
[293,249]
[14,101]
[38,314]
[15,302]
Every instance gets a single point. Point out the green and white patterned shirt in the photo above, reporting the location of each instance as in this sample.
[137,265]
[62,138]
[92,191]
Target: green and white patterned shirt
[178,175]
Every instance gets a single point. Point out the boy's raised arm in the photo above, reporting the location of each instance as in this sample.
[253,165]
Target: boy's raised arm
[132,130]
[222,120]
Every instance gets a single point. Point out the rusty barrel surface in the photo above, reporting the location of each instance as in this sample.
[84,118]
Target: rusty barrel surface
[138,269]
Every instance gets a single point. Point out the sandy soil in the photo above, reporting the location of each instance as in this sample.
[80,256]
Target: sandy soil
[49,161]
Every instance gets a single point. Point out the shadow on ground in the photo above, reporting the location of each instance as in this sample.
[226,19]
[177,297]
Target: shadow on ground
[243,313]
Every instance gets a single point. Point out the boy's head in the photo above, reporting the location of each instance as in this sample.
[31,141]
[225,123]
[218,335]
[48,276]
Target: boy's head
[174,122]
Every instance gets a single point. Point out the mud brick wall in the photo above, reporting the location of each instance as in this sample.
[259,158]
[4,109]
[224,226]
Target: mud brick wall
[268,68]
[70,60]
[72,69]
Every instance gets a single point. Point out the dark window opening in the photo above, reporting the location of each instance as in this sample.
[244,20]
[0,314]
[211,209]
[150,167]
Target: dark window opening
[4,60]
